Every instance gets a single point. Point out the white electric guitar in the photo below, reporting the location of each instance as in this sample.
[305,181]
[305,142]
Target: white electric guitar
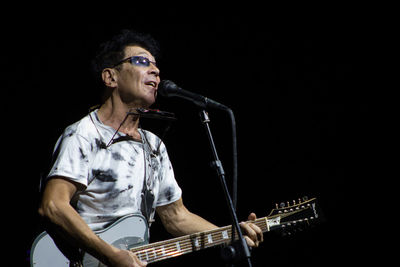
[131,233]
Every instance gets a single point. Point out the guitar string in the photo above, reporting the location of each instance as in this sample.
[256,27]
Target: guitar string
[171,251]
[217,230]
[187,238]
[169,248]
[183,243]
[213,233]
[151,255]
[186,245]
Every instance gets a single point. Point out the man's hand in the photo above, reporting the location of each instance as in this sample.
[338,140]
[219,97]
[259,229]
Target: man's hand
[125,258]
[252,233]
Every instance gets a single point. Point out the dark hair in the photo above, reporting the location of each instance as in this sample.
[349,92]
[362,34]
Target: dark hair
[112,51]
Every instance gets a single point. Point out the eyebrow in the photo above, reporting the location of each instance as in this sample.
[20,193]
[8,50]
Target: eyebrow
[147,55]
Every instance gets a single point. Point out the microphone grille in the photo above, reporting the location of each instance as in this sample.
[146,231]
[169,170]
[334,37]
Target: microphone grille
[166,87]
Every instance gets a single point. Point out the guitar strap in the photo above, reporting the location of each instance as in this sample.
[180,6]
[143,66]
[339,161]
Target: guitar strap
[147,194]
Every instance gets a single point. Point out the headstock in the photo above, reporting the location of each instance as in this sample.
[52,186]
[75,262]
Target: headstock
[294,215]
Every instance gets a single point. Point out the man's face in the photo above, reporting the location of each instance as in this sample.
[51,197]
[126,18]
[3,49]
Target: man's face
[137,84]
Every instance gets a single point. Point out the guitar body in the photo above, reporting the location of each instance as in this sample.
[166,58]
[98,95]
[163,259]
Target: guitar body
[126,233]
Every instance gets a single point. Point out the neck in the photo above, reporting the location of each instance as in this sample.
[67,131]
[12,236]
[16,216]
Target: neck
[113,113]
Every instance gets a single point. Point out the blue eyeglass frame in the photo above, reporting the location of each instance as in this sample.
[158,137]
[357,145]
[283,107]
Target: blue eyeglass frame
[138,61]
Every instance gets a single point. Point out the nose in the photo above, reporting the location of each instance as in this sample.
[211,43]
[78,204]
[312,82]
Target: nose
[154,70]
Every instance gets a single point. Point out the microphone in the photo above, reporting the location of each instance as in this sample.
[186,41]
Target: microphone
[169,89]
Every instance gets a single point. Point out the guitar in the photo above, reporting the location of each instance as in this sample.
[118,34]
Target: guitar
[131,233]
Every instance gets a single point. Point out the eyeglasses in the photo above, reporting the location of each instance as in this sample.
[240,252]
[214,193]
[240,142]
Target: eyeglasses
[138,61]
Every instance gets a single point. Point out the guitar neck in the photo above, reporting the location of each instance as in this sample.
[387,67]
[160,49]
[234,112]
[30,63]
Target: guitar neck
[283,217]
[186,244]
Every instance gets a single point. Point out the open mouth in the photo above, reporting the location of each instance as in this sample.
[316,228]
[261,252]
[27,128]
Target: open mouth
[151,83]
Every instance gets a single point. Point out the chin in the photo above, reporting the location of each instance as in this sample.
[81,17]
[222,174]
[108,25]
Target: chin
[152,99]
[149,102]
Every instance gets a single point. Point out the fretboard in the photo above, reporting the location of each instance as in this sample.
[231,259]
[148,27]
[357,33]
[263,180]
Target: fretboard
[185,244]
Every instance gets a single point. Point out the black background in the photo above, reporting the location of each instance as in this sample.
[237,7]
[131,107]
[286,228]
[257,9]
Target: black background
[289,76]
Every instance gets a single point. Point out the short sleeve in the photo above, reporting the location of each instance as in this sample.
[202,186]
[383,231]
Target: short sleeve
[71,158]
[169,191]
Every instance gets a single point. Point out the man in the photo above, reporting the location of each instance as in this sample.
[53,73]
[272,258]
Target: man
[106,167]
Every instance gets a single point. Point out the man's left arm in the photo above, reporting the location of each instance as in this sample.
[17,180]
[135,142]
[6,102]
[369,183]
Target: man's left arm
[178,221]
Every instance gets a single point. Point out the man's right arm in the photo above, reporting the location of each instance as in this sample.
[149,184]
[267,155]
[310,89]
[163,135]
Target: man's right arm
[56,208]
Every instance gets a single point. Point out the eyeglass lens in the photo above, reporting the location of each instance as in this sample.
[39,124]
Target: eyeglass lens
[140,61]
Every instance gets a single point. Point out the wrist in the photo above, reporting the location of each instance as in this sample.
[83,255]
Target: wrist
[111,254]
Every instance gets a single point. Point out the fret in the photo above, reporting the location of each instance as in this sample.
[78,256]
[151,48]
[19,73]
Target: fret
[157,252]
[266,222]
[139,255]
[263,223]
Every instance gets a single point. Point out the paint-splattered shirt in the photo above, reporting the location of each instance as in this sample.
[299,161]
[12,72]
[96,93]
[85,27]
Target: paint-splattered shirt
[113,176]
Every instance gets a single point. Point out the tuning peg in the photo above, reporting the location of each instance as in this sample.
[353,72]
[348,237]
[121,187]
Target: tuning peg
[297,206]
[282,205]
[276,206]
[305,198]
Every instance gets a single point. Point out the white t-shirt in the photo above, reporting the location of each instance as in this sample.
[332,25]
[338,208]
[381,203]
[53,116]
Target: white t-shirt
[113,176]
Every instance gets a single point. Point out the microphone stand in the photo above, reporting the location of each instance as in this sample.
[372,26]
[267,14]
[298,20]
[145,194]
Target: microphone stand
[238,250]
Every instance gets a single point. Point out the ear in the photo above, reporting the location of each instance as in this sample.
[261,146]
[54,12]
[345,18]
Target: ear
[109,77]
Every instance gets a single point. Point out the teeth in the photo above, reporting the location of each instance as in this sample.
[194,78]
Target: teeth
[151,83]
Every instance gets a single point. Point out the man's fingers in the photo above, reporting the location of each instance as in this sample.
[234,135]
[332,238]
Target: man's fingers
[250,234]
[258,231]
[250,242]
[138,261]
[252,217]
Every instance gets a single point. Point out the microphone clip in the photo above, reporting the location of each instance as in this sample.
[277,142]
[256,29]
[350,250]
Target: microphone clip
[153,114]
